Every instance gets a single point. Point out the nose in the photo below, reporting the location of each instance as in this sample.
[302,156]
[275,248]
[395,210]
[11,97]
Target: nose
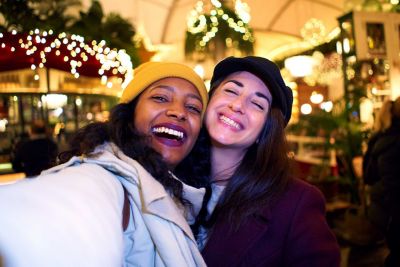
[177,111]
[237,105]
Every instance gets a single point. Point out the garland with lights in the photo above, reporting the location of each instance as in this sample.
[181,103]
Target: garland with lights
[66,52]
[93,23]
[221,24]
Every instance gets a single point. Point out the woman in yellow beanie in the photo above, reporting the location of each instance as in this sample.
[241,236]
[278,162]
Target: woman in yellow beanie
[114,201]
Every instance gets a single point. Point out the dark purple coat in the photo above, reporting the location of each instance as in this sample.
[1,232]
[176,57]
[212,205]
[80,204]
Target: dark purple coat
[293,232]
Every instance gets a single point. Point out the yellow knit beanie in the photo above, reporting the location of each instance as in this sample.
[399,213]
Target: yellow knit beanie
[150,72]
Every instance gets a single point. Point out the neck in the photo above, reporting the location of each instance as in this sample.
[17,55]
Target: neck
[224,162]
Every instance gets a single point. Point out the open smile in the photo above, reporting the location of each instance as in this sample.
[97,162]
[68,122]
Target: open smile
[169,134]
[224,119]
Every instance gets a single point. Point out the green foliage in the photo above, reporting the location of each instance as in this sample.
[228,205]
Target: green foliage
[193,40]
[343,125]
[115,30]
[25,15]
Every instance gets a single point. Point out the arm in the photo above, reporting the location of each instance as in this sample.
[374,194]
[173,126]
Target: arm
[68,218]
[310,241]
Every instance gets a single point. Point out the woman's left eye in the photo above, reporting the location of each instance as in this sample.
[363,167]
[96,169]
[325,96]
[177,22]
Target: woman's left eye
[259,106]
[194,109]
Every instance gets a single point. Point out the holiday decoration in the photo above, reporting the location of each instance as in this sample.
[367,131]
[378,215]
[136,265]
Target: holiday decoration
[65,52]
[217,27]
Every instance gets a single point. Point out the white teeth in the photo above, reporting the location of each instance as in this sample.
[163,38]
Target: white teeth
[229,122]
[168,131]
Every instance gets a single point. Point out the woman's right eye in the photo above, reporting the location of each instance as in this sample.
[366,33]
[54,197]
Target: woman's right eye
[230,91]
[159,98]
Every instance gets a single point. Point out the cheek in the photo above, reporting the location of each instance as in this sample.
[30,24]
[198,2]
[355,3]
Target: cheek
[141,122]
[207,121]
[195,125]
[258,122]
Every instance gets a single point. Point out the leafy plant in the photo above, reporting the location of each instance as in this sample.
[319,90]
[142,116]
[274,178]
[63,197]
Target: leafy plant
[223,36]
[25,15]
[343,126]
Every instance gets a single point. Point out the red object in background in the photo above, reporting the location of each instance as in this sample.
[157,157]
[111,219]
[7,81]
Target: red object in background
[17,52]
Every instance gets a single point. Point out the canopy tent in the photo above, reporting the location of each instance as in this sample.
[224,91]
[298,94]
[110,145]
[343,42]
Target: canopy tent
[63,52]
[277,24]
[43,75]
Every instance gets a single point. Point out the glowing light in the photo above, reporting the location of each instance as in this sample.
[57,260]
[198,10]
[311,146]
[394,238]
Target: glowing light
[3,125]
[314,31]
[306,109]
[199,70]
[327,106]
[346,45]
[55,101]
[78,102]
[43,45]
[300,66]
[316,98]
[197,22]
[339,47]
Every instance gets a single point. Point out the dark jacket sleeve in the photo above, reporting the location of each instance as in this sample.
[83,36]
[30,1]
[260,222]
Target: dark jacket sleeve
[370,165]
[310,240]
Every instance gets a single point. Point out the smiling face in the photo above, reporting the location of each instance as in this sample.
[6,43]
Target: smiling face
[169,111]
[237,111]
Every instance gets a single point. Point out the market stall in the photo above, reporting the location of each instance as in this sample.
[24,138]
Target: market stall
[59,78]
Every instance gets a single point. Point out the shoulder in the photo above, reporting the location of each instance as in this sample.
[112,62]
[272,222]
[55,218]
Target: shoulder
[291,208]
[299,192]
[387,141]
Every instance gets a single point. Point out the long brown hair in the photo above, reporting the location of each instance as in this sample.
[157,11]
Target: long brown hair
[259,179]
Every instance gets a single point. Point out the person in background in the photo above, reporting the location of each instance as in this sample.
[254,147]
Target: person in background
[255,213]
[37,153]
[381,170]
[114,201]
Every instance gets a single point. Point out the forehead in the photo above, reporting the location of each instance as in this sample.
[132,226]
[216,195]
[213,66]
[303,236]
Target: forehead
[174,84]
[250,82]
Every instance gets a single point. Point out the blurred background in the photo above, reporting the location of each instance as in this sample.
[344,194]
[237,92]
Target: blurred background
[66,63]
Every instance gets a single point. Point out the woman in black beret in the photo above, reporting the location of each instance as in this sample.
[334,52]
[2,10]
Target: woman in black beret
[255,213]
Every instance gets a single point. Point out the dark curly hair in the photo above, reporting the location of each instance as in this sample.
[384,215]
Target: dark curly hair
[121,131]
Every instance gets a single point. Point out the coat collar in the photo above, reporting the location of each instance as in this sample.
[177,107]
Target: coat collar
[153,197]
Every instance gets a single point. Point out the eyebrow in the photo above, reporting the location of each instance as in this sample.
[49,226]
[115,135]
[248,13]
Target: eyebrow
[259,94]
[172,89]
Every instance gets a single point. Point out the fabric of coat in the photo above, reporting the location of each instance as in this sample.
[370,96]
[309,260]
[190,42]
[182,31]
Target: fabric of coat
[71,215]
[293,232]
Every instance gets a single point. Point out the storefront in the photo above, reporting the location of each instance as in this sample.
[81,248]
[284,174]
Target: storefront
[58,79]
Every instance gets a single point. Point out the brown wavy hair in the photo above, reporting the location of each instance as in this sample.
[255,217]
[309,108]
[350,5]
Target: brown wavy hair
[260,178]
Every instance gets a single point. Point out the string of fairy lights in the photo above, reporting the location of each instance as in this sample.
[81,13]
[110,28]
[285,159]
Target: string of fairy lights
[197,21]
[74,51]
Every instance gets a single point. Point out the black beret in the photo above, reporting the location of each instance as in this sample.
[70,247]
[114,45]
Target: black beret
[267,71]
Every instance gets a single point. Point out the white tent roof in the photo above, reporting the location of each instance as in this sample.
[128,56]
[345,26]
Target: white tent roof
[276,22]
